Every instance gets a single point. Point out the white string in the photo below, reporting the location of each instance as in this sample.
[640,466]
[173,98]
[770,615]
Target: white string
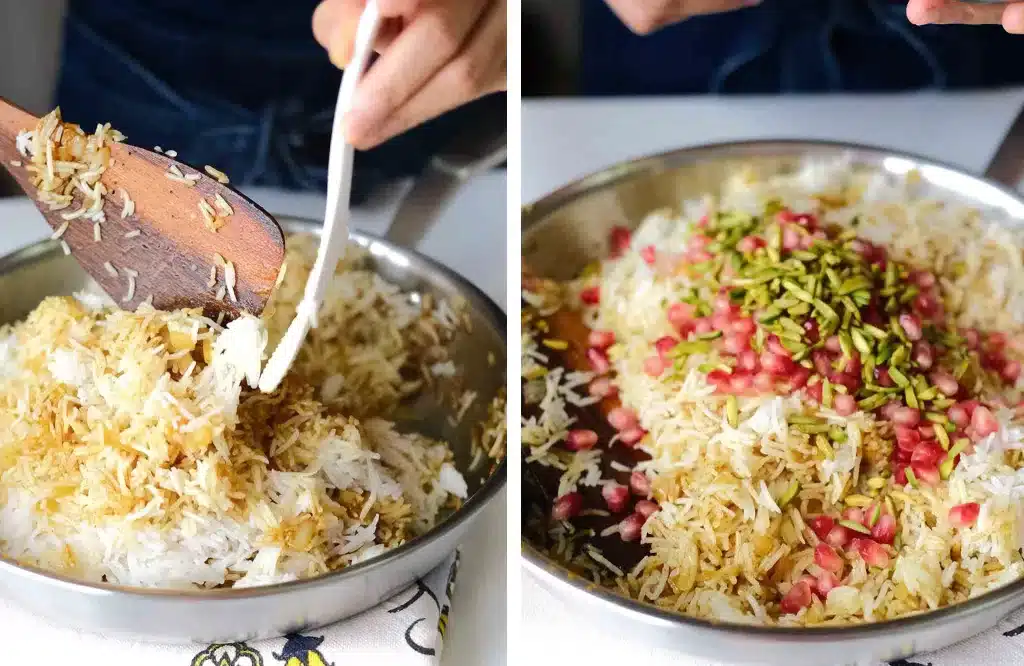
[336,217]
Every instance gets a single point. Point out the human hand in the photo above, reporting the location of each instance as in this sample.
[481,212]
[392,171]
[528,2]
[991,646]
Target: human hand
[435,55]
[646,16]
[1009,15]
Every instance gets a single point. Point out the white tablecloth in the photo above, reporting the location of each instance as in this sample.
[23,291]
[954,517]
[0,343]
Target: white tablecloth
[565,139]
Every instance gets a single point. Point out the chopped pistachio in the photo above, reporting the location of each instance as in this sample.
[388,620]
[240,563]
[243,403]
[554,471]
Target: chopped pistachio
[856,527]
[790,493]
[732,410]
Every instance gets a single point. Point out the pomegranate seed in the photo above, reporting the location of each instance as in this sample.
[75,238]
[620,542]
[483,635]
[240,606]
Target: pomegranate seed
[826,582]
[615,496]
[580,440]
[996,340]
[591,295]
[882,377]
[629,528]
[764,383]
[747,361]
[845,404]
[698,256]
[646,508]
[747,244]
[826,557]
[719,378]
[744,326]
[958,415]
[567,506]
[1011,371]
[911,326]
[822,362]
[832,344]
[972,337]
[907,438]
[901,474]
[774,345]
[855,515]
[736,343]
[599,362]
[946,383]
[723,304]
[926,431]
[925,304]
[654,366]
[821,525]
[648,254]
[903,455]
[640,484]
[873,553]
[926,474]
[601,339]
[790,238]
[906,416]
[698,242]
[970,406]
[602,387]
[838,537]
[702,326]
[927,454]
[741,383]
[815,392]
[964,515]
[619,239]
[884,530]
[798,598]
[851,382]
[888,409]
[983,422]
[622,418]
[852,366]
[811,331]
[798,379]
[923,355]
[680,314]
[632,436]
[775,364]
[664,345]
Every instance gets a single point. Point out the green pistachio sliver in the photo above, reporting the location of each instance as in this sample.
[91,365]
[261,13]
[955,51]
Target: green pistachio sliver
[770,315]
[812,429]
[875,332]
[941,435]
[911,398]
[790,493]
[803,255]
[861,342]
[759,338]
[803,419]
[928,394]
[732,411]
[791,325]
[837,434]
[945,469]
[799,309]
[943,403]
[845,343]
[853,284]
[899,356]
[873,402]
[856,527]
[909,294]
[793,346]
[833,278]
[959,446]
[876,513]
[911,477]
[797,291]
[891,275]
[825,309]
[821,442]
[710,335]
[709,367]
[826,393]
[936,417]
[899,378]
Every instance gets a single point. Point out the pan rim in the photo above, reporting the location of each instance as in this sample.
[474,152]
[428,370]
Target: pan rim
[545,569]
[490,488]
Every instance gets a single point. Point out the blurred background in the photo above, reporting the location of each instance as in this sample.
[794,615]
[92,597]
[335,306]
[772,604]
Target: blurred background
[239,84]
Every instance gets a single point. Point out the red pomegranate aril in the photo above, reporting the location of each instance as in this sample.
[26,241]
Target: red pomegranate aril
[926,431]
[972,337]
[925,280]
[993,361]
[844,404]
[851,366]
[602,387]
[723,304]
[680,314]
[630,527]
[790,238]
[838,537]
[719,378]
[567,506]
[851,382]
[664,345]
[828,559]
[888,409]
[648,254]
[622,418]
[827,581]
[744,326]
[1011,371]
[599,362]
[923,355]
[964,515]
[873,553]
[632,436]
[811,331]
[741,383]
[798,378]
[958,415]
[815,392]
[698,242]
[911,326]
[580,439]
[882,377]
[925,304]
[619,239]
[747,361]
[927,454]
[747,244]
[906,416]
[798,598]
[702,326]
[996,340]
[736,343]
[640,484]
[833,345]
[926,474]
[646,508]
[854,514]
[900,475]
[984,422]
[821,525]
[903,455]
[775,364]
[764,382]
[616,496]
[591,295]
[601,339]
[946,384]
[884,530]
[774,345]
[907,439]
[654,366]
[822,362]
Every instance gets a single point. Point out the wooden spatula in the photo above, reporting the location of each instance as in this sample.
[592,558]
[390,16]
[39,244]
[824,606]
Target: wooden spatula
[170,246]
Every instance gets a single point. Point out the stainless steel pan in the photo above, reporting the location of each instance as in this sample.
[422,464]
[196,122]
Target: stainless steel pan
[568,228]
[229,615]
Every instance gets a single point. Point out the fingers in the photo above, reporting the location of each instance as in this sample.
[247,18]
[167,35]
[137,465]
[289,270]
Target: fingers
[646,17]
[434,34]
[1013,18]
[335,23]
[922,12]
[477,70]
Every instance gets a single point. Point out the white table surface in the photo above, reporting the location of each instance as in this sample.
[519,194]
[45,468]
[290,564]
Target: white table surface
[565,139]
[470,238]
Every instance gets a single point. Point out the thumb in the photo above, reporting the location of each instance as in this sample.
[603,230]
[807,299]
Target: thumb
[334,26]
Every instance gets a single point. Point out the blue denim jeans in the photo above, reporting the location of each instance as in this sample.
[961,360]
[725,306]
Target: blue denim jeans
[239,84]
[795,46]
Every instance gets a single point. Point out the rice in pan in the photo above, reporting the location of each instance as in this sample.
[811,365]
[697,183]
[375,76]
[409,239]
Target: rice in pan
[818,376]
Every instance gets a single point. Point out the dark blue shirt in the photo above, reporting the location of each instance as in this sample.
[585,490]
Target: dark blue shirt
[239,84]
[794,46]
